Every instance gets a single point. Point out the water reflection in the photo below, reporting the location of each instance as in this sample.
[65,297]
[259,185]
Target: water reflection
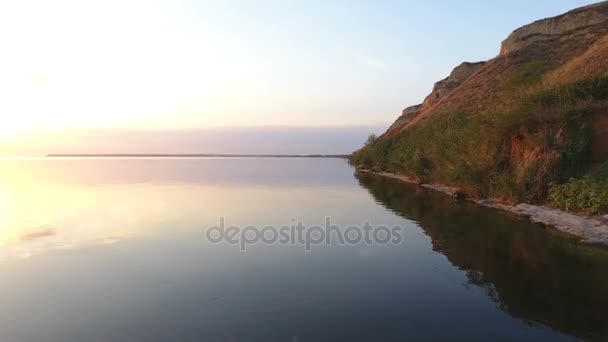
[114,250]
[536,274]
[219,171]
[48,204]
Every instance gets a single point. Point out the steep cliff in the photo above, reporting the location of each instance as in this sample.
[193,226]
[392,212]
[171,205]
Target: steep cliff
[585,20]
[446,86]
[406,115]
[574,38]
[534,115]
[441,89]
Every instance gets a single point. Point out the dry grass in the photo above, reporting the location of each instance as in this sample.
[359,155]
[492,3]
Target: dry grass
[592,61]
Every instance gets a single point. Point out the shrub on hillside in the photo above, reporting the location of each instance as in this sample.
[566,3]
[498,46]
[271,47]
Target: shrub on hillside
[582,195]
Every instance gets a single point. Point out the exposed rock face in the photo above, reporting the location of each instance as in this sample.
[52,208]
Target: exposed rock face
[552,28]
[411,110]
[441,89]
[407,114]
[446,86]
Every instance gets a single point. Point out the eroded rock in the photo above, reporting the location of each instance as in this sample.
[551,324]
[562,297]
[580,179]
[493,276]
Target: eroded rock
[446,86]
[406,115]
[584,18]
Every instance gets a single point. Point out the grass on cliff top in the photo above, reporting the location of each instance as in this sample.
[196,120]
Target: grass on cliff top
[514,155]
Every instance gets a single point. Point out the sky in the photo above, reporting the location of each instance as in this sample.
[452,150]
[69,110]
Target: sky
[78,69]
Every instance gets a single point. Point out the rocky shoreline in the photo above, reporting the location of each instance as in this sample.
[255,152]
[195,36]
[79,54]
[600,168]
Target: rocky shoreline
[589,229]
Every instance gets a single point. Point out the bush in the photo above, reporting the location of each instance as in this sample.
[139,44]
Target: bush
[582,195]
[371,139]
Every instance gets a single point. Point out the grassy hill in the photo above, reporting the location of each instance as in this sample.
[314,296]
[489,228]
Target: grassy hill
[530,125]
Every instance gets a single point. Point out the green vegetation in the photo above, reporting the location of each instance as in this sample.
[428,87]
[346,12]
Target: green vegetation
[526,74]
[543,137]
[584,195]
[371,139]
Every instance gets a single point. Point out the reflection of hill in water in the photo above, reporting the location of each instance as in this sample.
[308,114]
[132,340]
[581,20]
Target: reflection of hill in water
[536,274]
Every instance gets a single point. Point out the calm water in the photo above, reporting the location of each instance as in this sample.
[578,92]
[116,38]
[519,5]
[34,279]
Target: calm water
[115,250]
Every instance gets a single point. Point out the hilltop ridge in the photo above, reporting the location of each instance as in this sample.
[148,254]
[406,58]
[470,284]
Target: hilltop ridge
[553,41]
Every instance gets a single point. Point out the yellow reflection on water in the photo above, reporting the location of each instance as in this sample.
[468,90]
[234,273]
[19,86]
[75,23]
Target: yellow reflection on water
[40,211]
[49,205]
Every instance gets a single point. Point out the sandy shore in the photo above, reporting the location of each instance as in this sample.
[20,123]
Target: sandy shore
[590,229]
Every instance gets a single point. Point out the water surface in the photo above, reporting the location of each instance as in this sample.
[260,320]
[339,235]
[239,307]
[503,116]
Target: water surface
[115,250]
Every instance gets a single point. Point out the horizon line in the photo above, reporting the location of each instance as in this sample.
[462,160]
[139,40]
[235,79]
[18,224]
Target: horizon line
[189,155]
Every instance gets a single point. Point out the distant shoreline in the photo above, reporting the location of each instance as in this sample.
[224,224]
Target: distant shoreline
[191,155]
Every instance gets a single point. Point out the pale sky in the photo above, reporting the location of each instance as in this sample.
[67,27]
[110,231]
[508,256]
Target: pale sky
[171,65]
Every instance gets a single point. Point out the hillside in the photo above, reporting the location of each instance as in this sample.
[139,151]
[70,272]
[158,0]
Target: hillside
[530,125]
